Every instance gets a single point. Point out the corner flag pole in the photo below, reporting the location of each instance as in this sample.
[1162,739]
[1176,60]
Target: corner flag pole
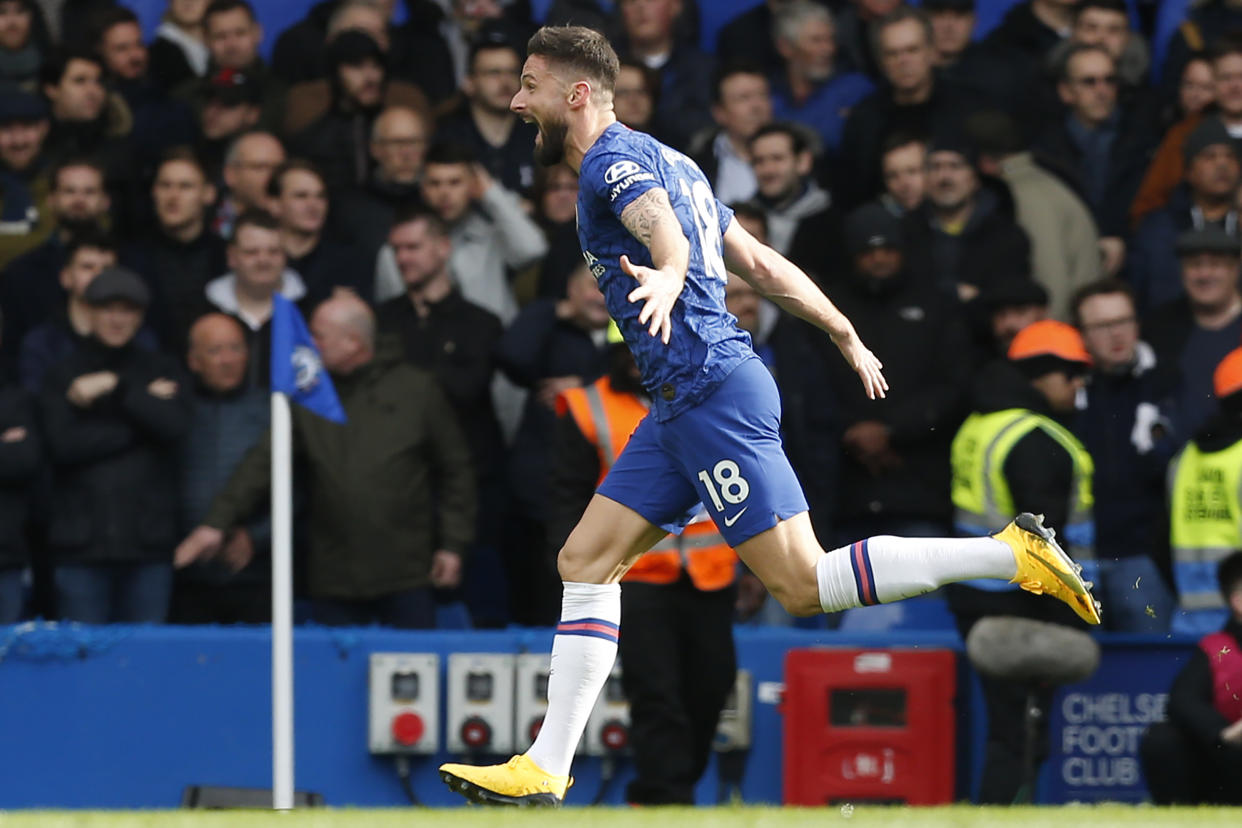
[282,604]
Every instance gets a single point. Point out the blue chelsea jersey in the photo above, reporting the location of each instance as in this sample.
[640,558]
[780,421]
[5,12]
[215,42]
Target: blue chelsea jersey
[706,344]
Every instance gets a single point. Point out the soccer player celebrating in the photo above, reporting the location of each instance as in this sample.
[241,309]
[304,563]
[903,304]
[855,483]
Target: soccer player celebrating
[658,241]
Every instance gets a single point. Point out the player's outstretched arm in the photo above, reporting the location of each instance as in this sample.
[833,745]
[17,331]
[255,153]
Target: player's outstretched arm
[651,220]
[784,283]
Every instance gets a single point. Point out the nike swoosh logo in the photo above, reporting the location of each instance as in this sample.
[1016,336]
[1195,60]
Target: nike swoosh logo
[729,521]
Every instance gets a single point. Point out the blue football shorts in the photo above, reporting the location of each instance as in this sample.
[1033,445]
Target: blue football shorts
[725,453]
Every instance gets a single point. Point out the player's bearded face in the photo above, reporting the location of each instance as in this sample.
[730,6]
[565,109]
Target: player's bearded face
[550,143]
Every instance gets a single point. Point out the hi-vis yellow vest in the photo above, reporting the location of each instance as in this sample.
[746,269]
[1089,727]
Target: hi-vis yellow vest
[607,419]
[982,501]
[1205,525]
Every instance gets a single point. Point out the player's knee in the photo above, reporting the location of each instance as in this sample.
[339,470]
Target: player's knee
[798,599]
[572,563]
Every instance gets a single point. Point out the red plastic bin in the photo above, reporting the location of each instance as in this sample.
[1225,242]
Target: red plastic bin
[869,726]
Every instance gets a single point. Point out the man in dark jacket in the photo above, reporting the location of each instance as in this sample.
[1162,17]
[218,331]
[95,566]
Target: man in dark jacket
[233,35]
[21,460]
[552,345]
[964,236]
[390,492]
[1120,422]
[1195,757]
[180,254]
[227,419]
[1044,469]
[1206,197]
[25,220]
[895,470]
[113,414]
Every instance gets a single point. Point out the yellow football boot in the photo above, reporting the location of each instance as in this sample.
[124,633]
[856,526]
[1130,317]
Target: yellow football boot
[517,782]
[1045,569]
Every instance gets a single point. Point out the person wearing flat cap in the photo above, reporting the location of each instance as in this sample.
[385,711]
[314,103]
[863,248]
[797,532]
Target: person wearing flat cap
[113,414]
[1192,334]
[1014,452]
[25,221]
[894,472]
[1211,174]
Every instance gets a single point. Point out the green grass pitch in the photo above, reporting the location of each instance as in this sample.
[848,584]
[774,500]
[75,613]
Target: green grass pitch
[954,816]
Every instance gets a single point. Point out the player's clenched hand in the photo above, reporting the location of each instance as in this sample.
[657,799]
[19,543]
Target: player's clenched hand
[866,364]
[658,291]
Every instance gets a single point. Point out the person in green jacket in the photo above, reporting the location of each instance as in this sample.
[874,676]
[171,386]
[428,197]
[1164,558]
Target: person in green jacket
[391,497]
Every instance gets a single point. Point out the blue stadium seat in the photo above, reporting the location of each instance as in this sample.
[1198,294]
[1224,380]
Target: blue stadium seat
[1169,16]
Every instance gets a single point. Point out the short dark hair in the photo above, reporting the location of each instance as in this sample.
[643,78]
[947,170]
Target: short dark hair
[1227,44]
[449,152]
[491,42]
[1229,574]
[796,136]
[651,78]
[579,48]
[738,66]
[254,217]
[1115,6]
[899,15]
[898,139]
[751,210]
[57,63]
[1100,287]
[104,19]
[417,212]
[276,182]
[75,161]
[94,238]
[184,154]
[223,6]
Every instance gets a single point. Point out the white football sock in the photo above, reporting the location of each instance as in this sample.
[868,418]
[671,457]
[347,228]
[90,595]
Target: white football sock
[583,653]
[887,568]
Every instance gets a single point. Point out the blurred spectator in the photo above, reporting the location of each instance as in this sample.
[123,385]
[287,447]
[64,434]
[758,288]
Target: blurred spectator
[802,222]
[23,43]
[1166,169]
[741,104]
[1015,437]
[1028,33]
[330,121]
[903,166]
[1010,304]
[1065,252]
[227,419]
[363,215]
[1104,141]
[257,271]
[634,97]
[1195,756]
[180,254]
[415,53]
[1205,197]
[1196,89]
[552,345]
[390,492]
[1120,423]
[856,21]
[468,21]
[953,23]
[454,340]
[1106,23]
[751,36]
[1204,522]
[179,52]
[248,166]
[25,220]
[298,198]
[895,469]
[233,34]
[69,327]
[677,599]
[113,413]
[650,35]
[504,145]
[492,235]
[21,460]
[28,288]
[1204,23]
[1193,333]
[556,210]
[812,89]
[912,102]
[964,235]
[228,107]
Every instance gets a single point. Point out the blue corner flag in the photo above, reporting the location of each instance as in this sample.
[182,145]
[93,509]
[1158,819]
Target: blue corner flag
[297,370]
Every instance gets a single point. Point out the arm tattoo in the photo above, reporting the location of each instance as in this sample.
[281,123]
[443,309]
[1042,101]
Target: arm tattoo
[642,214]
